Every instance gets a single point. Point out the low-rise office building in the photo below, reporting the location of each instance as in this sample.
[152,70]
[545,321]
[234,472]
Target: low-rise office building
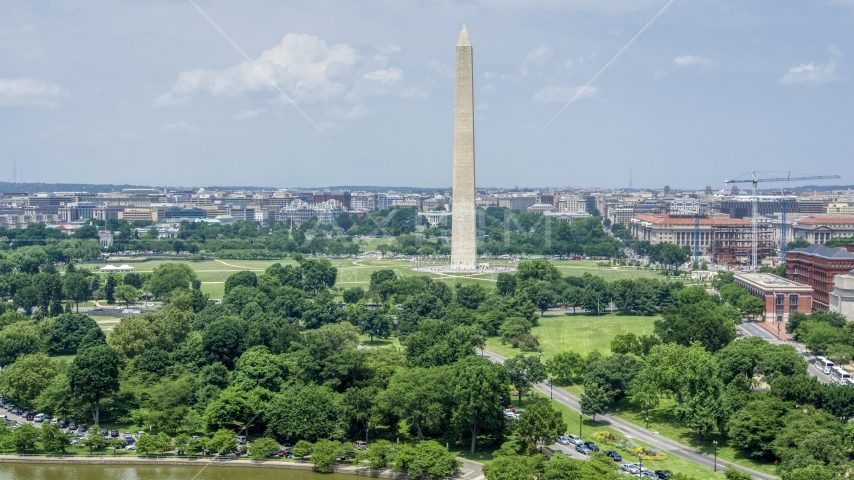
[818,229]
[781,296]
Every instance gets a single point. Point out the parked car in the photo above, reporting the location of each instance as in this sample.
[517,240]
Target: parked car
[62,424]
[614,455]
[574,439]
[130,447]
[30,416]
[72,426]
[84,428]
[39,418]
[631,468]
[562,440]
[114,433]
[582,449]
[241,439]
[648,474]
[663,474]
[592,446]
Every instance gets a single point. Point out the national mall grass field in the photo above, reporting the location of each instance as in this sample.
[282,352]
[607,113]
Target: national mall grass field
[357,272]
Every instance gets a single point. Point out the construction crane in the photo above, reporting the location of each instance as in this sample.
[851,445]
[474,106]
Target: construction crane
[754,180]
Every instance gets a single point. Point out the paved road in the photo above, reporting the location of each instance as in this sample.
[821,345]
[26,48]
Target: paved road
[631,430]
[751,329]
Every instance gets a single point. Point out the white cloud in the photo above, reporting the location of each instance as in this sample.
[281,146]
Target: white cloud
[488,88]
[383,82]
[834,50]
[810,73]
[249,113]
[536,57]
[564,94]
[693,60]
[182,126]
[357,111]
[389,48]
[482,107]
[302,65]
[27,91]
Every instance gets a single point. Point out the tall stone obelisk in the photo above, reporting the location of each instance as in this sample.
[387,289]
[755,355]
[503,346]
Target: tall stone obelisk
[463,231]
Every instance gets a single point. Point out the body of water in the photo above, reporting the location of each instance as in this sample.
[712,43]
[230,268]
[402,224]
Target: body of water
[145,472]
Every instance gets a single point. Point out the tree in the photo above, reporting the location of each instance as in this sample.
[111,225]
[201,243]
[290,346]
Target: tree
[418,397]
[222,340]
[731,473]
[95,441]
[26,298]
[594,401]
[543,270]
[133,279]
[439,342]
[93,375]
[542,295]
[133,335]
[24,438]
[323,454]
[614,374]
[478,386]
[127,294]
[305,412]
[247,279]
[67,331]
[231,409]
[425,459]
[148,444]
[565,366]
[18,339]
[53,440]
[524,372]
[27,377]
[541,424]
[257,367]
[168,277]
[182,442]
[470,296]
[373,323]
[706,322]
[353,295]
[668,254]
[263,447]
[110,289]
[506,284]
[223,441]
[754,426]
[751,306]
[819,336]
[76,288]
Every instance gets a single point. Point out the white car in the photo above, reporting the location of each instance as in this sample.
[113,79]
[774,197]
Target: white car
[39,418]
[54,421]
[574,439]
[631,468]
[130,447]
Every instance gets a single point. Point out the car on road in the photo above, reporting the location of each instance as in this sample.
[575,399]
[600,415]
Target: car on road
[562,440]
[631,468]
[663,474]
[614,455]
[582,449]
[574,439]
[592,446]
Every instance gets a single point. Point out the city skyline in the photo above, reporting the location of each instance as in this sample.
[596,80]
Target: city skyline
[704,94]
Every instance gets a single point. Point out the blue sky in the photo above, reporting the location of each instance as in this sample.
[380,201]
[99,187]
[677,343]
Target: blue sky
[150,92]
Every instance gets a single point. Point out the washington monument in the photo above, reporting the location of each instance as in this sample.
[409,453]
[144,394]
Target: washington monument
[463,231]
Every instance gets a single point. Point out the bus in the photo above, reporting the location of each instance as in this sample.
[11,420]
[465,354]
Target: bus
[839,376]
[823,365]
[849,383]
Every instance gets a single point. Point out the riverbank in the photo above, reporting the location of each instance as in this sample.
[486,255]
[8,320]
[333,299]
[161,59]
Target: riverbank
[195,461]
[470,470]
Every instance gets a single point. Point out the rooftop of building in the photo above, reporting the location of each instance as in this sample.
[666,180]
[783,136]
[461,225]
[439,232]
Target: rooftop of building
[826,252]
[666,219]
[842,220]
[767,281]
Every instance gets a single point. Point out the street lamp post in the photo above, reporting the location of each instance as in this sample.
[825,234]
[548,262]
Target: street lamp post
[647,415]
[640,460]
[715,443]
[580,424]
[551,388]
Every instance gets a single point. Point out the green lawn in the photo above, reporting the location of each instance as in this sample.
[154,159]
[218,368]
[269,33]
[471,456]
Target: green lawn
[579,333]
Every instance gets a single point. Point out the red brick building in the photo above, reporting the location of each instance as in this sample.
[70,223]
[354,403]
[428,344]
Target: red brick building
[342,197]
[815,266]
[781,296]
